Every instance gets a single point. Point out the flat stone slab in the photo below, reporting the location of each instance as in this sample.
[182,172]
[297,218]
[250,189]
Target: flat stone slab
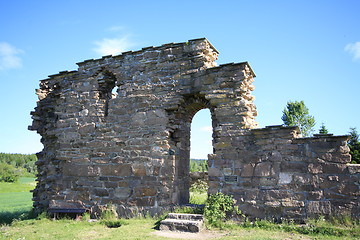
[181,225]
[186,216]
[183,222]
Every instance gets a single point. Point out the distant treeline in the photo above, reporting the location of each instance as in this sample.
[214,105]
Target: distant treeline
[198,165]
[13,166]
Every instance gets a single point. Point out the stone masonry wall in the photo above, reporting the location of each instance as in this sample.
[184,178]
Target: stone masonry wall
[117,130]
[274,173]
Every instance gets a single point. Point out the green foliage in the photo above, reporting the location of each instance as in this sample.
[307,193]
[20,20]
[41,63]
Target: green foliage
[297,114]
[190,210]
[109,217]
[198,192]
[344,227]
[198,165]
[354,145]
[200,186]
[218,208]
[23,163]
[115,223]
[8,173]
[198,198]
[323,129]
[15,200]
[108,213]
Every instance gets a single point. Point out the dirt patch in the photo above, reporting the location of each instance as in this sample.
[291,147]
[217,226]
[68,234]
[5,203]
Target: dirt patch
[205,234]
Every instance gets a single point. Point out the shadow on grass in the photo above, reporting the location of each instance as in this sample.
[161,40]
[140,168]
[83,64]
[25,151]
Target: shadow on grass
[9,217]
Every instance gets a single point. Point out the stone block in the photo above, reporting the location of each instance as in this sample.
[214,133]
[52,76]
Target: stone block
[285,178]
[110,184]
[315,195]
[263,169]
[80,170]
[214,172]
[116,170]
[145,201]
[248,170]
[122,193]
[315,168]
[290,166]
[101,192]
[139,170]
[144,192]
[222,145]
[318,208]
[293,204]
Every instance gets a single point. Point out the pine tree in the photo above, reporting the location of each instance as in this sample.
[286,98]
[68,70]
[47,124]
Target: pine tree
[323,129]
[354,146]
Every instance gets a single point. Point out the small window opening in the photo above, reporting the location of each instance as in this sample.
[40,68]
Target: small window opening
[114,92]
[107,88]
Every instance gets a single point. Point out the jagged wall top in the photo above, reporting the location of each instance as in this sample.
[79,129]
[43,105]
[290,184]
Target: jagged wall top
[199,44]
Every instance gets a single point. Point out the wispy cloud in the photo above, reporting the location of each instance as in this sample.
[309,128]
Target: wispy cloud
[113,46]
[9,56]
[353,49]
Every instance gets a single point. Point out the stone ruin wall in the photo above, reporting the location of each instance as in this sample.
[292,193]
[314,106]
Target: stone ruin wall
[117,130]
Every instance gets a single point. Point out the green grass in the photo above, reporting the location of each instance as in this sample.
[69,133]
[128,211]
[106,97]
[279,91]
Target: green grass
[16,204]
[15,199]
[143,228]
[198,198]
[25,184]
[70,229]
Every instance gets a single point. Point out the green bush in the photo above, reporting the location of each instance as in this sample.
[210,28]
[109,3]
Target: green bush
[339,227]
[218,208]
[112,223]
[200,186]
[198,165]
[8,173]
[190,210]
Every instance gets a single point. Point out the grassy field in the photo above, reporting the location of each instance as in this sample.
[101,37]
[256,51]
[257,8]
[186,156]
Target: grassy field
[15,203]
[15,198]
[140,228]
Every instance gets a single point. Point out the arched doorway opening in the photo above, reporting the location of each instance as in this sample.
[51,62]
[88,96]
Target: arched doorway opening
[180,125]
[200,146]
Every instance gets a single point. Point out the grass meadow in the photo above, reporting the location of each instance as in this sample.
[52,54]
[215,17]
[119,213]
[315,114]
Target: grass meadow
[15,199]
[16,222]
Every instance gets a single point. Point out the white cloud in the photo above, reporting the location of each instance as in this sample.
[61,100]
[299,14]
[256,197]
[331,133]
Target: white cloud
[353,49]
[206,129]
[9,56]
[113,46]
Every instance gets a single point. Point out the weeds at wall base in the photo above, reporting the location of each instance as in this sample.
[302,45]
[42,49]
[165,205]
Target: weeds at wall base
[10,217]
[312,227]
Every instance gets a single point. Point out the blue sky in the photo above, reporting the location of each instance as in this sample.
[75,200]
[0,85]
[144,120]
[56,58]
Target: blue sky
[299,50]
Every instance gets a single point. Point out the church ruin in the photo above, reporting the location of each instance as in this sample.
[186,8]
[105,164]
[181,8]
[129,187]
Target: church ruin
[117,130]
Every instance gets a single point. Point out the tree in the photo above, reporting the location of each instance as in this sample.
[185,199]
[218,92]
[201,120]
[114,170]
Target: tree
[354,146]
[297,114]
[8,173]
[323,129]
